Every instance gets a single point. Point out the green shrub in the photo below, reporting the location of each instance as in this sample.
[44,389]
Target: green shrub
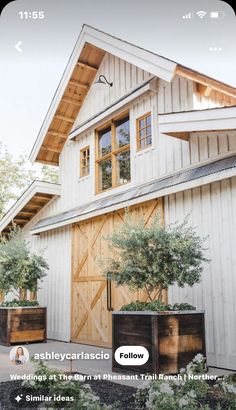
[227,388]
[186,393]
[155,306]
[44,380]
[19,303]
[182,306]
[49,382]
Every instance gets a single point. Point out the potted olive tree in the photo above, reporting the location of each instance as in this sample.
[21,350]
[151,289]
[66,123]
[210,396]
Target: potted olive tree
[21,317]
[151,259]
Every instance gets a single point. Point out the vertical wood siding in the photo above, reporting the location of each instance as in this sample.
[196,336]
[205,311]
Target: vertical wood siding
[125,78]
[55,289]
[166,155]
[211,209]
[215,99]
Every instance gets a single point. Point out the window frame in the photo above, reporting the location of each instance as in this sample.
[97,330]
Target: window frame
[111,155]
[138,139]
[87,148]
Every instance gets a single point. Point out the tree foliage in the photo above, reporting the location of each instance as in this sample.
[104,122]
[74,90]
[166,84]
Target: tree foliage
[49,174]
[16,174]
[155,257]
[19,268]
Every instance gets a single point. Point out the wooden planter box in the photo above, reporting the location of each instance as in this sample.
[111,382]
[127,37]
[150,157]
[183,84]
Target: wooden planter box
[22,325]
[171,338]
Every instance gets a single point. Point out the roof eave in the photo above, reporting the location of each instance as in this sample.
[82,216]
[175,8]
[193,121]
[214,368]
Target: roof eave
[37,187]
[182,124]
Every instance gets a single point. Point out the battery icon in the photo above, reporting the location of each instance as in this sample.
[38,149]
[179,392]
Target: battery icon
[217,14]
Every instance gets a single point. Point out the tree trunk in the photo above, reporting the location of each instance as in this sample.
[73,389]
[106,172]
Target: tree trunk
[33,295]
[1,297]
[23,294]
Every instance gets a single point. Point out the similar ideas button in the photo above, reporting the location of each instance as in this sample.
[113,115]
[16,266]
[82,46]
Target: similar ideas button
[131,355]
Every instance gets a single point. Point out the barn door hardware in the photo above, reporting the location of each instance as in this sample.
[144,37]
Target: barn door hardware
[109,300]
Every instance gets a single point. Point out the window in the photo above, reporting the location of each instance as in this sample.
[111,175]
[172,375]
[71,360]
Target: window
[84,161]
[144,131]
[113,154]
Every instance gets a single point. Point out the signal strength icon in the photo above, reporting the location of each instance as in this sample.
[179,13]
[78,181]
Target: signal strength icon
[201,14]
[188,16]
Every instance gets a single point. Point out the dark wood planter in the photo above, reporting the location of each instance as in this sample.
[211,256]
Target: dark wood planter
[23,325]
[171,338]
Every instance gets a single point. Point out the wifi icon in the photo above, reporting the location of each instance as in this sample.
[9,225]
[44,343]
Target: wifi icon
[201,14]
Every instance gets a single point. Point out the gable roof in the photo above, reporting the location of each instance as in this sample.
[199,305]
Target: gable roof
[79,75]
[36,196]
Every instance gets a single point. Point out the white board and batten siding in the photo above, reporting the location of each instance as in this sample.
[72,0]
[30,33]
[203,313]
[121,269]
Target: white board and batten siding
[55,290]
[125,77]
[211,209]
[166,155]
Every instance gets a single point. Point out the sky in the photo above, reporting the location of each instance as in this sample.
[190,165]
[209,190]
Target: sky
[28,79]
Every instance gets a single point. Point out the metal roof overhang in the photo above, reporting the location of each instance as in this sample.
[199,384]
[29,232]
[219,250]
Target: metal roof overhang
[181,124]
[185,179]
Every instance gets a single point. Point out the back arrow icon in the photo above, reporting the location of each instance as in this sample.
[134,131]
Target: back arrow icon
[18,47]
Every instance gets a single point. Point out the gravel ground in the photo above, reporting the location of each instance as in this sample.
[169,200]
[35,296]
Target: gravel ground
[107,391]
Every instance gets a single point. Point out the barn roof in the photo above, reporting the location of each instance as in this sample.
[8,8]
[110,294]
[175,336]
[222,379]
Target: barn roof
[36,196]
[185,179]
[79,75]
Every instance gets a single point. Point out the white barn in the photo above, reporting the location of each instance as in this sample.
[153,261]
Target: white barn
[161,139]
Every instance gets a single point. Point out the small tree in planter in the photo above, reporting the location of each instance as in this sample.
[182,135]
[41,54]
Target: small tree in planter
[152,259]
[155,257]
[20,271]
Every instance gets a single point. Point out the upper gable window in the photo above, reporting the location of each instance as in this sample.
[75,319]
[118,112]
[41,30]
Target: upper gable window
[144,131]
[113,154]
[84,161]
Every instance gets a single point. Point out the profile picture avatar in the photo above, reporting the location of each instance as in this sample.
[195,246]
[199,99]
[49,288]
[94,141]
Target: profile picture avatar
[19,355]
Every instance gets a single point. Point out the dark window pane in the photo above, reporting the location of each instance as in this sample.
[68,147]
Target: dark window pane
[85,170]
[149,120]
[104,142]
[123,167]
[142,133]
[105,174]
[122,132]
[142,123]
[149,140]
[84,162]
[142,143]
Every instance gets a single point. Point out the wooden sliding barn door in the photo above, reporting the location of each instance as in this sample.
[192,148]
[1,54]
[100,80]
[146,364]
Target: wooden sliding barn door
[92,296]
